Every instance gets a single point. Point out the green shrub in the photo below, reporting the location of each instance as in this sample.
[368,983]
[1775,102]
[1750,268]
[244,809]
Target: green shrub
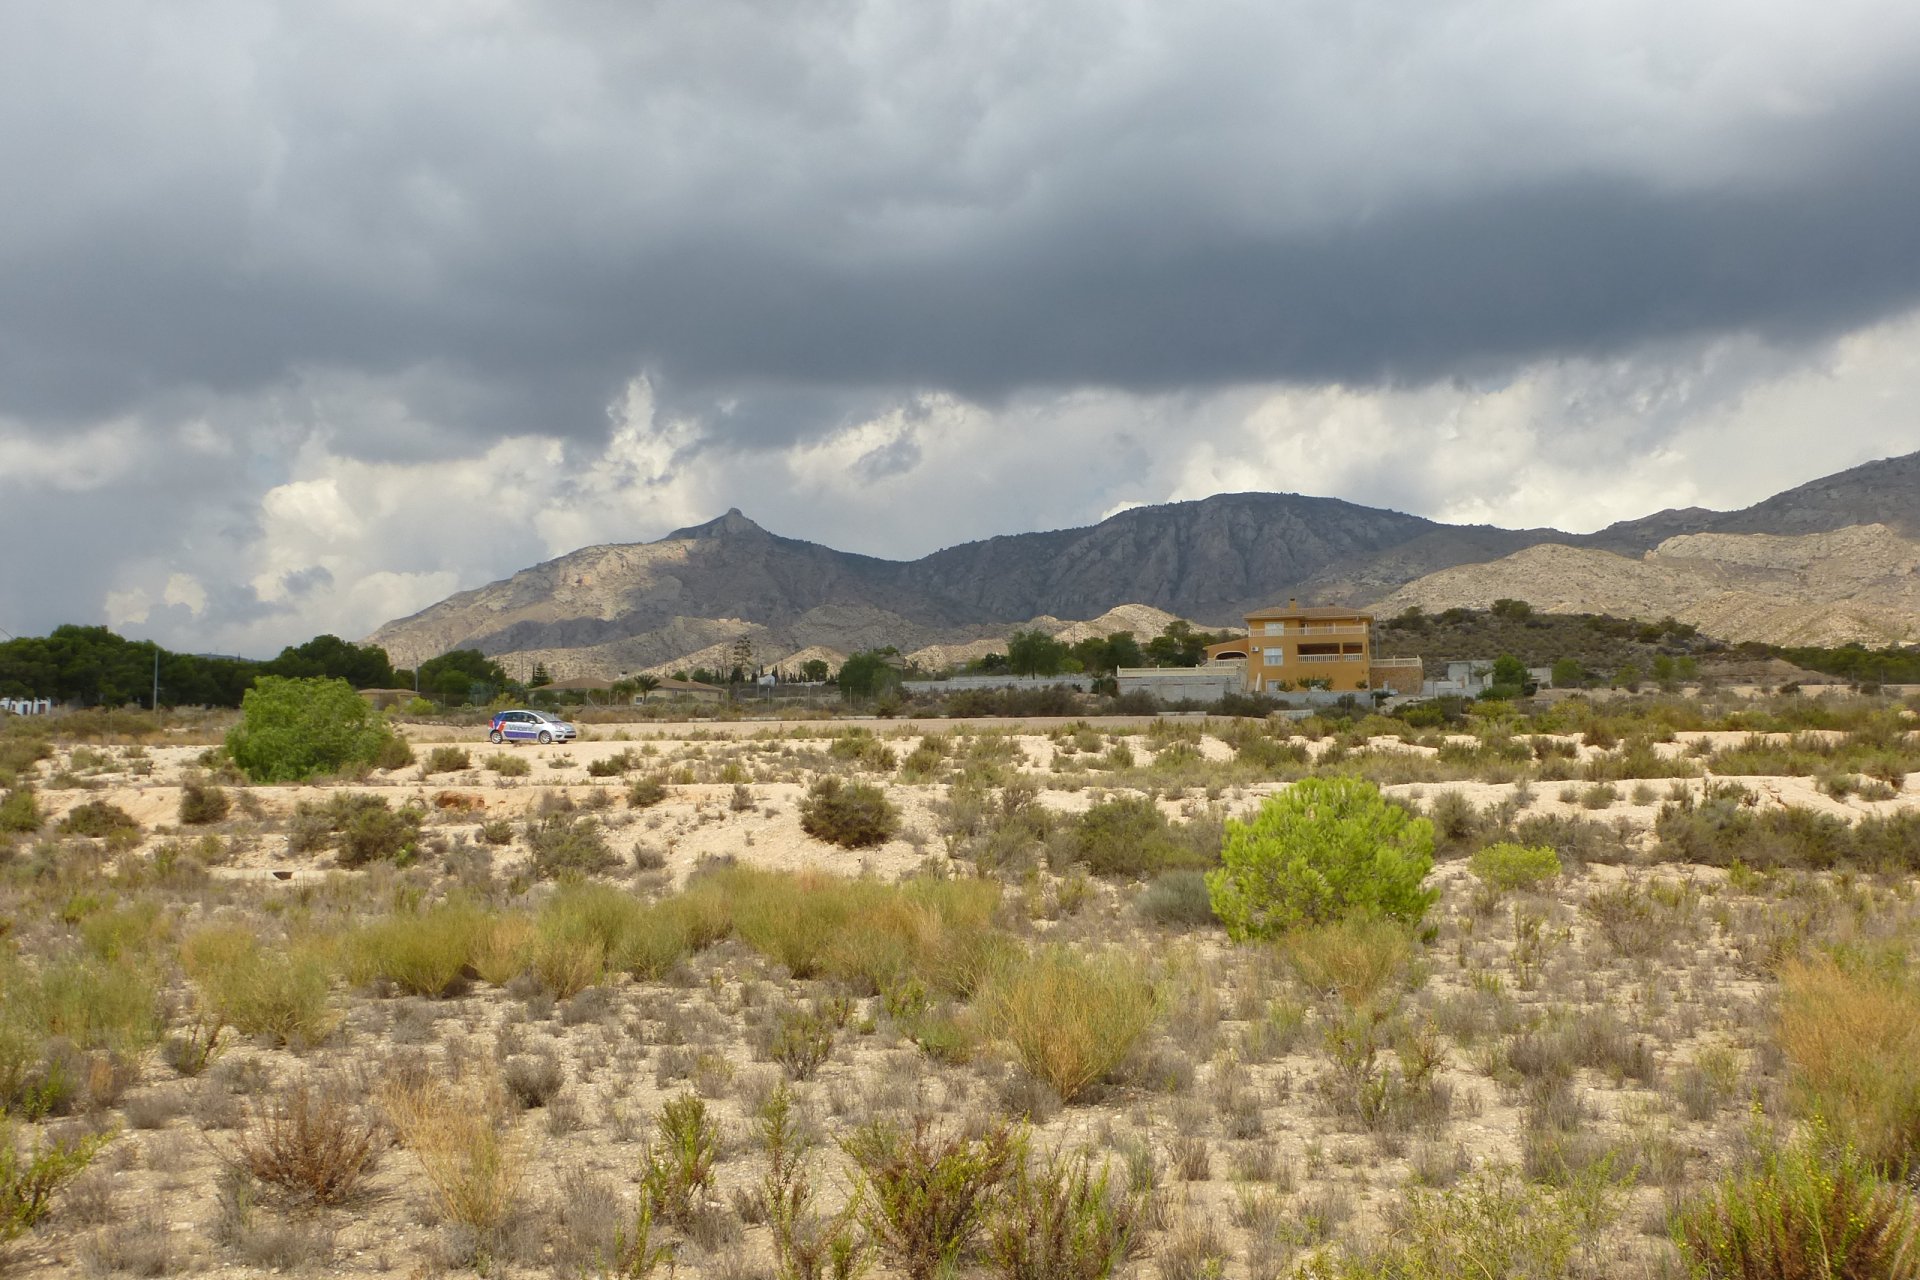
[563,844]
[1177,899]
[1506,867]
[613,766]
[861,748]
[677,1166]
[1491,1225]
[446,760]
[508,766]
[927,1195]
[203,802]
[1129,835]
[1071,1018]
[1322,849]
[19,811]
[1808,1211]
[102,821]
[802,1042]
[394,752]
[646,793]
[29,1180]
[852,815]
[362,828]
[292,729]
[1063,1220]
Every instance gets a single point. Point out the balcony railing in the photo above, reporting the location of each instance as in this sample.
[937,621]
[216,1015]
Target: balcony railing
[1397,662]
[1330,657]
[1333,629]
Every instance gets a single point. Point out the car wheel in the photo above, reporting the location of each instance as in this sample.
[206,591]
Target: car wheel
[494,737]
[545,737]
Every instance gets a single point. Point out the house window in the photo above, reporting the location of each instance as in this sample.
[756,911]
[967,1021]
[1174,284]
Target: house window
[1276,628]
[1274,657]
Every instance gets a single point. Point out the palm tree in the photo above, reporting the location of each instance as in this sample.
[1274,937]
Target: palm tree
[646,684]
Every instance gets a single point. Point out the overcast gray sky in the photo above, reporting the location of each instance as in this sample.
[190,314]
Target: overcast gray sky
[312,313]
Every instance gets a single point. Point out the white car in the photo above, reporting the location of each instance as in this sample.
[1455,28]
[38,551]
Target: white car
[530,726]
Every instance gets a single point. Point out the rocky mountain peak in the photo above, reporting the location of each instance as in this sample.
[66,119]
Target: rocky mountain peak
[731,525]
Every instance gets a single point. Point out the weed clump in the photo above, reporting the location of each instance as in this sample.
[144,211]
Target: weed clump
[1071,1018]
[313,1144]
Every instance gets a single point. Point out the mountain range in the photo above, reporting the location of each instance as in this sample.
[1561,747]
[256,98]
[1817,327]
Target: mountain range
[1826,562]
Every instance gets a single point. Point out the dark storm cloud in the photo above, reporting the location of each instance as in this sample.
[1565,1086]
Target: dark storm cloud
[503,219]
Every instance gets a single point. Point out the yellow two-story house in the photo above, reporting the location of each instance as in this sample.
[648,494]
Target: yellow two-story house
[1318,646]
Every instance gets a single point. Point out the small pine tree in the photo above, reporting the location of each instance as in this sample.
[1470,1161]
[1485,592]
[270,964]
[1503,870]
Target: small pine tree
[1324,849]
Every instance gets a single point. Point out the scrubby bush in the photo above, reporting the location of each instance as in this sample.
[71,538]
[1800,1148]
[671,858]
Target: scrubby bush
[292,729]
[1506,867]
[508,766]
[29,1180]
[361,828]
[280,993]
[1811,1210]
[927,1193]
[202,802]
[1355,957]
[646,793]
[447,760]
[1322,849]
[1061,1219]
[1177,899]
[20,812]
[423,953]
[562,844]
[313,1144]
[102,821]
[852,815]
[1129,835]
[614,766]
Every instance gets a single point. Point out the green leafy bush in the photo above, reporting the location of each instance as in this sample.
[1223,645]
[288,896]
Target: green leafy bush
[29,1180]
[1322,849]
[292,729]
[852,815]
[1130,836]
[646,793]
[1507,866]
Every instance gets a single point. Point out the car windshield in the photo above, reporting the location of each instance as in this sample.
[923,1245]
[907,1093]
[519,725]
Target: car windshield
[541,715]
